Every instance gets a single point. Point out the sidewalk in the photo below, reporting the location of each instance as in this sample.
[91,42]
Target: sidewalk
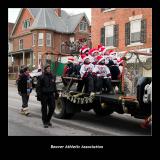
[11,82]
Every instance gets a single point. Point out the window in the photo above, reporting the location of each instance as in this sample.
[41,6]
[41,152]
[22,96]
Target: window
[39,58]
[26,24]
[21,44]
[135,33]
[107,9]
[109,35]
[10,46]
[40,39]
[33,57]
[83,26]
[71,39]
[34,39]
[48,39]
[48,59]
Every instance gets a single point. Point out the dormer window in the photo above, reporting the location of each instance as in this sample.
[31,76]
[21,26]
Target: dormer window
[83,26]
[26,24]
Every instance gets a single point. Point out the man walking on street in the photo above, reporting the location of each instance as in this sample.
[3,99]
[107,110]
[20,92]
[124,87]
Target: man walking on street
[46,93]
[24,89]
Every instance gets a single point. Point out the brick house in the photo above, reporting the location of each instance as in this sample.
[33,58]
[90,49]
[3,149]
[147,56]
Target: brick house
[10,28]
[122,28]
[39,33]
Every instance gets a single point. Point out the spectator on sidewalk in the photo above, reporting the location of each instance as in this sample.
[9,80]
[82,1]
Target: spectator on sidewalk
[47,93]
[24,89]
[21,71]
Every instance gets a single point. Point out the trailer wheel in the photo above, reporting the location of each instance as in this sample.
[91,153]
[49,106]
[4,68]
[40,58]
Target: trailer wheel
[100,110]
[60,109]
[145,109]
[140,87]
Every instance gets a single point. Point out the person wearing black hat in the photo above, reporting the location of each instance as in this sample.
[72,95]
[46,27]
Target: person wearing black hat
[47,93]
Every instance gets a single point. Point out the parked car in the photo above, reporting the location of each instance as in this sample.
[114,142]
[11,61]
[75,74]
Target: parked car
[34,75]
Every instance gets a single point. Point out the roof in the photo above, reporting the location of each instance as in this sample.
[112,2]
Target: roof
[10,28]
[46,18]
[33,11]
[73,21]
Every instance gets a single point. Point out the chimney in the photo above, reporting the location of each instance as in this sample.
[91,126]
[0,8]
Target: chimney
[58,12]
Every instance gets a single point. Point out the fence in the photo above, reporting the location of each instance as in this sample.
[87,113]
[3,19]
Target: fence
[136,66]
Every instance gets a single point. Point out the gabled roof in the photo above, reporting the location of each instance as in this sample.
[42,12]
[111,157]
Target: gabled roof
[46,18]
[20,12]
[10,28]
[73,21]
[34,11]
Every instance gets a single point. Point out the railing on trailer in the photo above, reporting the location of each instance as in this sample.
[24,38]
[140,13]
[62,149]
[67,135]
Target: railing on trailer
[133,70]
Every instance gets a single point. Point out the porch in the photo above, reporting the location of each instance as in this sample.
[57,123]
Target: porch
[22,57]
[19,58]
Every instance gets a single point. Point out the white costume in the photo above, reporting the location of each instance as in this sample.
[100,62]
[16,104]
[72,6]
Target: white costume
[102,71]
[86,68]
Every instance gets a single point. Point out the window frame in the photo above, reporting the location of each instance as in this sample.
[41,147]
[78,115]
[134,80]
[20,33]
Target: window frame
[131,32]
[50,39]
[39,54]
[34,57]
[20,44]
[109,36]
[86,26]
[34,39]
[72,39]
[26,22]
[40,39]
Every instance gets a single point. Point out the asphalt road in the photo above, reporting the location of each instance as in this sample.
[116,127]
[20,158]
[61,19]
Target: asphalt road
[82,124]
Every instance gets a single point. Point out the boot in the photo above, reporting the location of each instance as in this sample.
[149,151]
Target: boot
[45,125]
[22,111]
[49,124]
[26,111]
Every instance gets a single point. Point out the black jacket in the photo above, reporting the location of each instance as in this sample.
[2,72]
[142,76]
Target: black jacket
[46,84]
[71,69]
[114,69]
[22,83]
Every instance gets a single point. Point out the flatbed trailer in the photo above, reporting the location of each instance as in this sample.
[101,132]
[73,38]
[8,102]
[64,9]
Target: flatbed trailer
[70,101]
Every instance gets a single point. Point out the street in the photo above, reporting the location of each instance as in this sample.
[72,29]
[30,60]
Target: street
[82,124]
[103,56]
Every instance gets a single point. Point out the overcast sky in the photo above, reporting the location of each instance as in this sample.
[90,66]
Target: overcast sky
[13,12]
